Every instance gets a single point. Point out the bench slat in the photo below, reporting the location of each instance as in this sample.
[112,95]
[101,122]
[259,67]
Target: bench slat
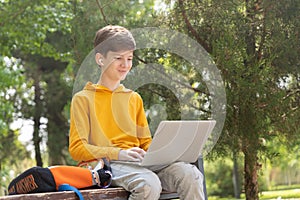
[106,194]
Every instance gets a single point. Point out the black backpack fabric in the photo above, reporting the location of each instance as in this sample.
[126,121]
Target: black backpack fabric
[33,180]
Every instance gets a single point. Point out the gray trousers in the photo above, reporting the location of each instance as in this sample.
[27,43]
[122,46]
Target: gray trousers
[143,183]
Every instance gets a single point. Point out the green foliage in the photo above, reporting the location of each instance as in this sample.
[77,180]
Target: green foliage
[10,148]
[38,34]
[9,67]
[25,26]
[254,44]
[218,176]
[89,16]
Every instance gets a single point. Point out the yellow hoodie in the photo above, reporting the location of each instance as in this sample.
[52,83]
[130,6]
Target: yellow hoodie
[103,122]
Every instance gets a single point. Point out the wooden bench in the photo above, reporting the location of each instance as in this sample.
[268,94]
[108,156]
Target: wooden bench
[116,193]
[91,194]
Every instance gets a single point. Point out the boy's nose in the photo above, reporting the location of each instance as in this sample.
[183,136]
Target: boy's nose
[125,63]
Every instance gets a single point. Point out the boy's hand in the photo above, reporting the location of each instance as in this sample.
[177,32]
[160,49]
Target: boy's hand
[133,154]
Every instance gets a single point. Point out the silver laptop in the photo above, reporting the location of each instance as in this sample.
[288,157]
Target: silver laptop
[177,141]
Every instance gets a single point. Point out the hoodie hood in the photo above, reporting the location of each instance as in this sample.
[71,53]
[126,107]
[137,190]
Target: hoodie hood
[97,88]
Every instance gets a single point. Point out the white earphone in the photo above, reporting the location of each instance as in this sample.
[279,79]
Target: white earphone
[100,62]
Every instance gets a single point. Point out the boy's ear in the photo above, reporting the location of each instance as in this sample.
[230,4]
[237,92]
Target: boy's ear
[99,59]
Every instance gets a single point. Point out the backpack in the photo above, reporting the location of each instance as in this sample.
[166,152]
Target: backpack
[62,177]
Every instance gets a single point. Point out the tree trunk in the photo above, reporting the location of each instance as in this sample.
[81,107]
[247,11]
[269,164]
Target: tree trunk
[56,97]
[37,116]
[250,121]
[235,178]
[251,176]
[57,141]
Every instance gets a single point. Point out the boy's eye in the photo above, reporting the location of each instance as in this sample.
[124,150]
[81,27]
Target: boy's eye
[119,58]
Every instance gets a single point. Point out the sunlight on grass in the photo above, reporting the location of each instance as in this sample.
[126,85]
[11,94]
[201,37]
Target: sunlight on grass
[283,194]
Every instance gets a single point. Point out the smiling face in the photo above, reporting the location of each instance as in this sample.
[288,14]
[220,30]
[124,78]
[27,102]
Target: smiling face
[116,65]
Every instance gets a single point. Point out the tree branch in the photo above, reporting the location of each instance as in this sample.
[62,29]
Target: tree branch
[189,104]
[102,11]
[191,29]
[170,78]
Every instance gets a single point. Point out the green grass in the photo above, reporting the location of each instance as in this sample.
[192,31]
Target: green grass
[285,187]
[278,193]
[281,194]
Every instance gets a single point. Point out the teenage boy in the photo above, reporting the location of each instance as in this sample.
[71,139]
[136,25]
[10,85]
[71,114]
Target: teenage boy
[108,120]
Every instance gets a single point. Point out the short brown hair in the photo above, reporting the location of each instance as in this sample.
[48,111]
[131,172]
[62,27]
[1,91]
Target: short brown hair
[113,38]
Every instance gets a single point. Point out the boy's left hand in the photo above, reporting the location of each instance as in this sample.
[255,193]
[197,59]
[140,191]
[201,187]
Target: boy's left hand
[133,154]
[140,151]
